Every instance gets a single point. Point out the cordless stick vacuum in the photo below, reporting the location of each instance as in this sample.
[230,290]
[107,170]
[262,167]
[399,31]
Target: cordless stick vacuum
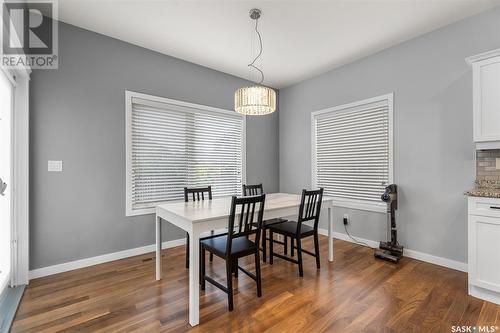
[390,250]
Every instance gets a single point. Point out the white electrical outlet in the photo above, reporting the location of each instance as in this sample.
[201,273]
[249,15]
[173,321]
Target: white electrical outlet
[345,220]
[54,166]
[498,163]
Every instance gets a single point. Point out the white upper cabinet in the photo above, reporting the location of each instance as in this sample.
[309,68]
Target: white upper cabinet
[486,98]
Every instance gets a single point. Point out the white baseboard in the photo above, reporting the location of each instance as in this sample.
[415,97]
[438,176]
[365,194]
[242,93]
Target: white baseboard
[445,262]
[69,266]
[453,264]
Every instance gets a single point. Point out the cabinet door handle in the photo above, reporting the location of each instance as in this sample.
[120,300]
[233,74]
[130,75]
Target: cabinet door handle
[494,207]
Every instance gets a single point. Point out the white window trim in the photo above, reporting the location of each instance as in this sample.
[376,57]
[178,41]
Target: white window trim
[128,137]
[350,203]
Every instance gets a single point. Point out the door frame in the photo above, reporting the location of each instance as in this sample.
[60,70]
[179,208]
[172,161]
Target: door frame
[9,179]
[20,176]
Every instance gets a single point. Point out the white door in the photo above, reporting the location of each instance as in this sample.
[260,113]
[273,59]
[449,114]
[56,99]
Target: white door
[484,252]
[6,106]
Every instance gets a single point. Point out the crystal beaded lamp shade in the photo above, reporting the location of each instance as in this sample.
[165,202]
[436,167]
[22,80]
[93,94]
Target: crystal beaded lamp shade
[255,100]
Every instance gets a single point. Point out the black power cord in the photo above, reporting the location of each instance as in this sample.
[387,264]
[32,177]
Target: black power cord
[354,239]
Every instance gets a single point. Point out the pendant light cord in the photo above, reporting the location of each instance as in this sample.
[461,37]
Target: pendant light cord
[252,64]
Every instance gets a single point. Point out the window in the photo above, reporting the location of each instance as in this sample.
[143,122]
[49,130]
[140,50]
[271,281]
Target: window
[173,144]
[352,152]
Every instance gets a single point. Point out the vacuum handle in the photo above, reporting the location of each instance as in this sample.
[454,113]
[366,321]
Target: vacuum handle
[494,207]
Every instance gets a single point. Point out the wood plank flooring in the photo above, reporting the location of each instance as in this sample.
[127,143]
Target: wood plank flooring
[355,293]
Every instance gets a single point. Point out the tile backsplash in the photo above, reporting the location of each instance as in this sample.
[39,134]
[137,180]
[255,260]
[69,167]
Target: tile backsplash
[486,165]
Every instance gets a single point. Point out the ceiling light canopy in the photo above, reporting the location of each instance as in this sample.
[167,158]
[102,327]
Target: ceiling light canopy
[258,99]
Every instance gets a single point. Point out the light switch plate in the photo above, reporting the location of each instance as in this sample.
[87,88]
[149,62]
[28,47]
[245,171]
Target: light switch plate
[498,163]
[55,166]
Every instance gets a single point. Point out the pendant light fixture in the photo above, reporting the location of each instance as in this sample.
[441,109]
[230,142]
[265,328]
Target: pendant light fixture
[256,99]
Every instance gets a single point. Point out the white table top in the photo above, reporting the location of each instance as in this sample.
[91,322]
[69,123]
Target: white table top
[199,211]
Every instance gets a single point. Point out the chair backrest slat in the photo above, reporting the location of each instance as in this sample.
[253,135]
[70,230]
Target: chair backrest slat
[247,217]
[242,215]
[310,207]
[251,212]
[197,193]
[249,190]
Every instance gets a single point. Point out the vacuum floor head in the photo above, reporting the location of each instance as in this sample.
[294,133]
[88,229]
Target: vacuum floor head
[389,251]
[396,248]
[388,255]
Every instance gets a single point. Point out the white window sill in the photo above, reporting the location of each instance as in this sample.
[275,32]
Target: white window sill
[377,207]
[140,211]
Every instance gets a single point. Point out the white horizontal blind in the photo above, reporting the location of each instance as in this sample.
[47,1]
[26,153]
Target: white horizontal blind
[173,146]
[352,151]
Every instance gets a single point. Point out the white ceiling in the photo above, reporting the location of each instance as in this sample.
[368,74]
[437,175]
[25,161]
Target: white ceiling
[301,38]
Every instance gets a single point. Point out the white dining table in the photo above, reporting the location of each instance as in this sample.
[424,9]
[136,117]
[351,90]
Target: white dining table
[199,217]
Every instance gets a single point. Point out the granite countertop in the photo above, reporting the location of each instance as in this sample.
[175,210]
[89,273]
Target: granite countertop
[485,188]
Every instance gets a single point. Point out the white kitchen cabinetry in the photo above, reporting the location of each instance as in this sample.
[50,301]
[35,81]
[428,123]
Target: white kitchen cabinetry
[486,98]
[484,248]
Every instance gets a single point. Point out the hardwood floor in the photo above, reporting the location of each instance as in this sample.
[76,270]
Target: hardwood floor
[356,293]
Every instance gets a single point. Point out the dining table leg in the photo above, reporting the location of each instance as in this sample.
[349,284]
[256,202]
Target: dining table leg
[158,248]
[330,234]
[194,277]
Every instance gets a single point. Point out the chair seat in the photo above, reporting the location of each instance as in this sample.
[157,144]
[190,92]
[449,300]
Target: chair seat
[290,229]
[240,246]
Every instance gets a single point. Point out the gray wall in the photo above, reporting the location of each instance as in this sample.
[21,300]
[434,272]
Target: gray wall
[434,159]
[78,116]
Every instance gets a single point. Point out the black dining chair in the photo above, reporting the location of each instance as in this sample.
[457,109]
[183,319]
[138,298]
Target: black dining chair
[258,189]
[309,210]
[197,194]
[237,243]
